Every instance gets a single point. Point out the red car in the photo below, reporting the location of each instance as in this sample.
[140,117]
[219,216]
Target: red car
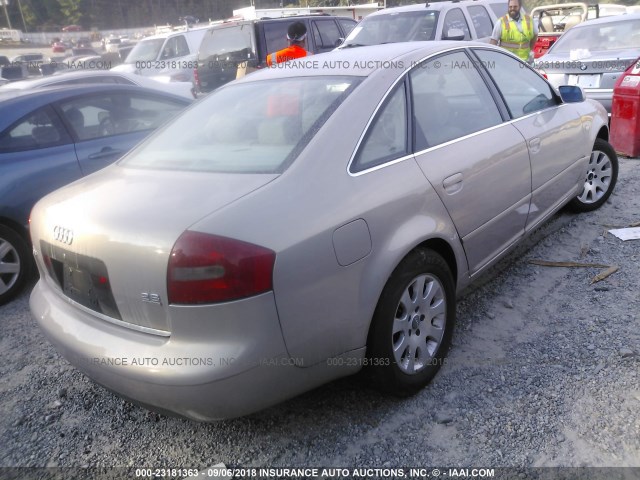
[58,47]
[72,28]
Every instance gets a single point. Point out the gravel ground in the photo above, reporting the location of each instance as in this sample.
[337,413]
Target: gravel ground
[543,372]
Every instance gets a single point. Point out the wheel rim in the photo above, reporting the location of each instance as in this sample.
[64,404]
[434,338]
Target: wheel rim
[419,324]
[9,266]
[598,179]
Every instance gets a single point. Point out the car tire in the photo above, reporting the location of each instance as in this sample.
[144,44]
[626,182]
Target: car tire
[412,325]
[15,264]
[600,178]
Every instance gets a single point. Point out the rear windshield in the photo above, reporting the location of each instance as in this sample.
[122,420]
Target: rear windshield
[620,35]
[395,27]
[257,127]
[145,50]
[231,43]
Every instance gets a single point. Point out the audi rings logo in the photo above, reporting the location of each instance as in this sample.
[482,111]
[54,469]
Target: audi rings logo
[63,235]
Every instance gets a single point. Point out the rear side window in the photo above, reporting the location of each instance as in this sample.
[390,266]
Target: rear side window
[40,129]
[450,100]
[481,20]
[326,35]
[454,19]
[276,35]
[386,139]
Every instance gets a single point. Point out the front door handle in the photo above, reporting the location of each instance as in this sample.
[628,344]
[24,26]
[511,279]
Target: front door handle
[534,145]
[105,152]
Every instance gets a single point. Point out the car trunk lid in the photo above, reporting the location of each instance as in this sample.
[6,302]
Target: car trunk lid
[106,239]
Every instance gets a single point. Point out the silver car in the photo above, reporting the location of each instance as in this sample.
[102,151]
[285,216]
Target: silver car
[593,55]
[309,221]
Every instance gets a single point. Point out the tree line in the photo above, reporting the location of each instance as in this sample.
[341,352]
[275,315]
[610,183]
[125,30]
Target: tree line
[52,15]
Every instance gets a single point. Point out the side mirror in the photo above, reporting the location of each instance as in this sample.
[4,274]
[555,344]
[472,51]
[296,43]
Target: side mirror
[339,42]
[454,34]
[571,94]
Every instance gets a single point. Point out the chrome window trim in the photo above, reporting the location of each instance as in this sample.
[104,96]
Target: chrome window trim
[401,78]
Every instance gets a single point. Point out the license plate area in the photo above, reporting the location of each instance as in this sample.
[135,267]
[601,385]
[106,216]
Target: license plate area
[584,81]
[83,279]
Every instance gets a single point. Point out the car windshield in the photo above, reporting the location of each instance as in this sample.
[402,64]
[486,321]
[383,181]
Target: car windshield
[620,35]
[255,127]
[394,27]
[145,50]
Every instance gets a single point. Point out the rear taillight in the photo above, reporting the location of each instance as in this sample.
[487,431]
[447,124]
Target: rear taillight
[207,268]
[196,78]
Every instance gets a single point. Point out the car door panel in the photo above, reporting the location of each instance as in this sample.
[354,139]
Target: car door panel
[477,163]
[554,133]
[497,184]
[29,175]
[557,155]
[97,153]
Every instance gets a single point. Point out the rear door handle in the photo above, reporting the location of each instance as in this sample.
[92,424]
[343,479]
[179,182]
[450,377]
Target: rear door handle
[452,184]
[105,152]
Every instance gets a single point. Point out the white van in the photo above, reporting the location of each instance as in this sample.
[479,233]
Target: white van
[171,55]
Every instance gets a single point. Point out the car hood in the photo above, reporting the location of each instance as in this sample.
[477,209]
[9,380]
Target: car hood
[125,222]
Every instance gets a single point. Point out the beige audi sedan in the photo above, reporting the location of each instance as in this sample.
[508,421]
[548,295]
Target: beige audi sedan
[310,221]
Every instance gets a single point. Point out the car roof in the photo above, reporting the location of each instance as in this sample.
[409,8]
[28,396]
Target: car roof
[21,102]
[360,61]
[288,18]
[173,33]
[444,5]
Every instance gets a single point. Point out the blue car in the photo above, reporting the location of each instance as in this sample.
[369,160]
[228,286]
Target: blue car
[51,137]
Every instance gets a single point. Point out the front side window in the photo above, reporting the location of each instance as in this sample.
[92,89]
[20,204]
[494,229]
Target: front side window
[175,47]
[450,100]
[347,25]
[454,19]
[326,35]
[386,138]
[523,90]
[109,114]
[254,127]
[40,129]
[481,20]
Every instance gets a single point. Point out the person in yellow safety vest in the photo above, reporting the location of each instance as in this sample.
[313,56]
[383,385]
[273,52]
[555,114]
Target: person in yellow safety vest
[516,32]
[296,35]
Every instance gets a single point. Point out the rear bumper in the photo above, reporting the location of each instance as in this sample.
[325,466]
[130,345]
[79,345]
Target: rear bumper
[602,95]
[235,367]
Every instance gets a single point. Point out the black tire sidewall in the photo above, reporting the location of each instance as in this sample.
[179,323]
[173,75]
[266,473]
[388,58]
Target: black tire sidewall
[603,146]
[22,248]
[383,370]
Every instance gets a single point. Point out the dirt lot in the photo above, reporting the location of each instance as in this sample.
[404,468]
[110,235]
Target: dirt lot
[543,372]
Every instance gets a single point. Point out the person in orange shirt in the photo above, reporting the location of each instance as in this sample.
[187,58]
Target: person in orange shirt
[297,36]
